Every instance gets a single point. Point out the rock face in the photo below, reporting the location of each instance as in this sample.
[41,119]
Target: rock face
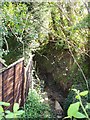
[54,66]
[57,106]
[59,110]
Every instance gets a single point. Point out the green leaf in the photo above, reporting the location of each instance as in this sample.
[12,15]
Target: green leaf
[1,117]
[10,115]
[1,109]
[15,107]
[66,117]
[79,115]
[84,93]
[73,109]
[5,104]
[87,106]
[7,111]
[20,112]
[75,90]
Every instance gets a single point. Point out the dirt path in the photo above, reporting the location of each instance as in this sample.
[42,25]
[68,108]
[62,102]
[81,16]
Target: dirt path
[52,94]
[54,97]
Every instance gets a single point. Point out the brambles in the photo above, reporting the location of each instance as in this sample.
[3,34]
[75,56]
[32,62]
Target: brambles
[35,108]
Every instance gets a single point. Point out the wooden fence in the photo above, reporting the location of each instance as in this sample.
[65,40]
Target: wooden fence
[15,82]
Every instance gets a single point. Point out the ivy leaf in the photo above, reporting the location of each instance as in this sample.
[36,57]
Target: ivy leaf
[79,115]
[15,107]
[84,93]
[73,109]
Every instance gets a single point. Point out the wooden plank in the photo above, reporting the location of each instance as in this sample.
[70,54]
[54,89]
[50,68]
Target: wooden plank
[8,73]
[8,92]
[9,108]
[16,95]
[11,105]
[8,86]
[8,76]
[17,62]
[18,82]
[13,64]
[9,79]
[22,87]
[9,97]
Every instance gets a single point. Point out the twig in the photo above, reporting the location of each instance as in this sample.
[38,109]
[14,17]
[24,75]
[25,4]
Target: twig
[42,55]
[79,66]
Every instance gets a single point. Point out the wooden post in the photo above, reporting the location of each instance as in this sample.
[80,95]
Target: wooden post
[14,85]
[22,89]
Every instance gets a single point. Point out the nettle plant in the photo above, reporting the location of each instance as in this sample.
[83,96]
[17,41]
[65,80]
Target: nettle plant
[8,114]
[74,108]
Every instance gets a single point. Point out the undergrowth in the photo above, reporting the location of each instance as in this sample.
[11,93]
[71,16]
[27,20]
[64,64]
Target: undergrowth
[34,106]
